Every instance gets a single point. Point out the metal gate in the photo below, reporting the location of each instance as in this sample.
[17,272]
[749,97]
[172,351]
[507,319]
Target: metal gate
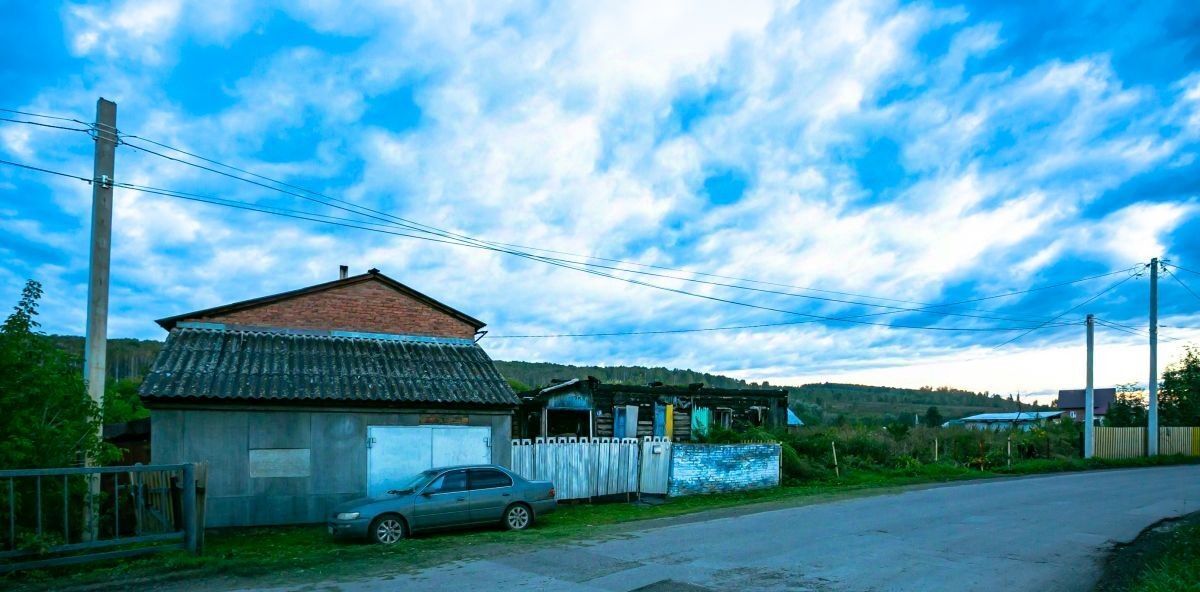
[98,513]
[655,466]
[396,453]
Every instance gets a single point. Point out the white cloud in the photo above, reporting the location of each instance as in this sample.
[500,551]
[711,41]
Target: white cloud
[559,127]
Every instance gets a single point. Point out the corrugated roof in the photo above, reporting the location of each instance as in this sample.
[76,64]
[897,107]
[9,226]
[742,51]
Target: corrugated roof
[1022,416]
[265,365]
[1101,399]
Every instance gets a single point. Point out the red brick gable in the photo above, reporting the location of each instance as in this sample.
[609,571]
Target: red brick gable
[369,303]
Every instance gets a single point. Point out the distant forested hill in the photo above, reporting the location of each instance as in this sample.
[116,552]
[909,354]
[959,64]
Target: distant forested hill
[823,402]
[536,374]
[883,403]
[127,358]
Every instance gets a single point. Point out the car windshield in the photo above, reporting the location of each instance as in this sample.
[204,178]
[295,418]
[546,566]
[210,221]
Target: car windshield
[410,485]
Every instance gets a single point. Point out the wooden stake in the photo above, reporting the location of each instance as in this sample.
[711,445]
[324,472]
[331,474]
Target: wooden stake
[836,470]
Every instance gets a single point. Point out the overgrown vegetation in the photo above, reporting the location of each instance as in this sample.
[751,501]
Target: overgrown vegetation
[1178,568]
[839,404]
[808,454]
[48,418]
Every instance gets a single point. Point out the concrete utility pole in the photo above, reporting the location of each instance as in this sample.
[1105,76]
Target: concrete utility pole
[1089,397]
[96,340]
[1152,415]
[95,348]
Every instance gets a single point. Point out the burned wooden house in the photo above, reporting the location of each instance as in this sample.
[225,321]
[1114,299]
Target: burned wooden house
[590,408]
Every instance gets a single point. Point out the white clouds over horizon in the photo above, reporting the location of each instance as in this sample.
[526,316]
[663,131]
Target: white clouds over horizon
[877,147]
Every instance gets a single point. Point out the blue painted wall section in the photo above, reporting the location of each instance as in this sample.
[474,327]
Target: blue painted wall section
[719,468]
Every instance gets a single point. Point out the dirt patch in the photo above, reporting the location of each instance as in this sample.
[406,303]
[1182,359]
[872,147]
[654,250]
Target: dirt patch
[1127,561]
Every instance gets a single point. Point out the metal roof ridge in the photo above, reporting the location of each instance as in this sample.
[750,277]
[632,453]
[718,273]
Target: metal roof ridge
[339,334]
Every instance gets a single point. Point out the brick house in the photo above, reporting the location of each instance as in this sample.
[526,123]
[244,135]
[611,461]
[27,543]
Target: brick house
[301,400]
[1071,402]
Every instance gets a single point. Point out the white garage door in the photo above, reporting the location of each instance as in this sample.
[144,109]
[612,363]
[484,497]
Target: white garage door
[396,453]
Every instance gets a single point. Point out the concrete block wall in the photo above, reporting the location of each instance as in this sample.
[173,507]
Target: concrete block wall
[721,468]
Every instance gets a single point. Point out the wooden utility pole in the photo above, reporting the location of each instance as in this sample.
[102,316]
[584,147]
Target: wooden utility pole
[96,340]
[1089,396]
[1152,414]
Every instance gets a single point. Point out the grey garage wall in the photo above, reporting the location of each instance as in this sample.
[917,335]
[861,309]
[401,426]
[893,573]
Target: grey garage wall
[314,459]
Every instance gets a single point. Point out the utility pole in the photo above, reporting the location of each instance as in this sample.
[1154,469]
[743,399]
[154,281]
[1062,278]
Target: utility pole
[1152,415]
[96,340]
[1089,396]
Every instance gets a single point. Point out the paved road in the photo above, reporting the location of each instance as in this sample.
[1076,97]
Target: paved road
[1040,533]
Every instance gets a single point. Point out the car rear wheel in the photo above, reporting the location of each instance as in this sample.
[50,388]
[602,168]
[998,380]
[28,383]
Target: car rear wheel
[518,517]
[388,529]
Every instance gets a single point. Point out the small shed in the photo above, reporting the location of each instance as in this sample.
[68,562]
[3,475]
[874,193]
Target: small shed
[301,400]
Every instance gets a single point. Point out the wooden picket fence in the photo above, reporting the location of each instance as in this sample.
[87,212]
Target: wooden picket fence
[580,468]
[1120,442]
[1131,442]
[1179,441]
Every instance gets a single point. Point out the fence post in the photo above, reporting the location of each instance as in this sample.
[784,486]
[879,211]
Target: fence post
[189,507]
[836,471]
[935,449]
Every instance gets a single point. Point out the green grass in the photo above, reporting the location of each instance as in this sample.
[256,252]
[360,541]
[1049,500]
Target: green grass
[306,553]
[1179,568]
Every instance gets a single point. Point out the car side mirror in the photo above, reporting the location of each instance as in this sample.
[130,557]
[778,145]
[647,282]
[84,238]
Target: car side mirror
[426,493]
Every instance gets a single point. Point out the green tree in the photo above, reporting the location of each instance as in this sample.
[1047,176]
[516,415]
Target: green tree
[1179,394]
[1128,409]
[122,402]
[933,417]
[48,418]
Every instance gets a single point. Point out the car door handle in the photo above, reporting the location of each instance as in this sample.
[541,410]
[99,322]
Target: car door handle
[505,494]
[462,499]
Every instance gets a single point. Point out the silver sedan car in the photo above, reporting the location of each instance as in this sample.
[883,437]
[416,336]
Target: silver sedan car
[445,498]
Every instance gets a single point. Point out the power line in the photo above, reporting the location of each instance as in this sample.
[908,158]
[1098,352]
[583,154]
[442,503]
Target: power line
[50,125]
[419,227]
[44,116]
[1069,310]
[1181,268]
[1117,327]
[1185,286]
[47,171]
[560,263]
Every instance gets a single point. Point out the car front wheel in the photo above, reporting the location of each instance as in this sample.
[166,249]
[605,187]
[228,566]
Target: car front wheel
[388,530]
[518,517]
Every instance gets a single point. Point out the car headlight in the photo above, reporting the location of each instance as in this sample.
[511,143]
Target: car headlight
[347,516]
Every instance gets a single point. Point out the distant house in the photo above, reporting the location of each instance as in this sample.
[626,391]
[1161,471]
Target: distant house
[301,400]
[1023,420]
[589,408]
[1071,402]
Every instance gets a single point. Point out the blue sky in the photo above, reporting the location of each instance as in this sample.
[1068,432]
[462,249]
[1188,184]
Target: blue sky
[923,152]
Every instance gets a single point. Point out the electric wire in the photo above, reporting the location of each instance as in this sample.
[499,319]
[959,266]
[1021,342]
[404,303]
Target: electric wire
[50,125]
[44,116]
[326,219]
[1185,286]
[1181,268]
[419,227]
[1073,308]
